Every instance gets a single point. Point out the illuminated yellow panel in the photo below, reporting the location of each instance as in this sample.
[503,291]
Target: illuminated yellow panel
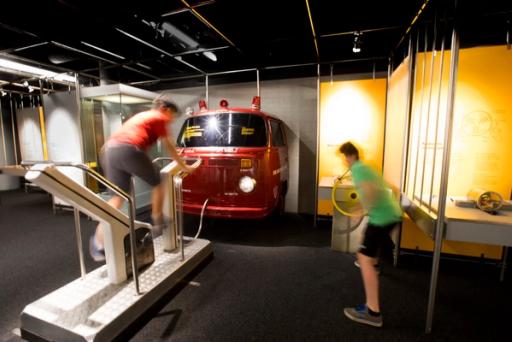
[481,139]
[396,114]
[482,127]
[426,141]
[350,110]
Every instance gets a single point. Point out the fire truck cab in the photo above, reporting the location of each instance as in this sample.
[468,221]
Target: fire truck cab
[244,170]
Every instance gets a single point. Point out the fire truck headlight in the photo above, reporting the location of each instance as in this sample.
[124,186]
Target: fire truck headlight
[247,184]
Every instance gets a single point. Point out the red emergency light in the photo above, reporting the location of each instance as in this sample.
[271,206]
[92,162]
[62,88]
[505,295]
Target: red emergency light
[202,105]
[256,103]
[224,103]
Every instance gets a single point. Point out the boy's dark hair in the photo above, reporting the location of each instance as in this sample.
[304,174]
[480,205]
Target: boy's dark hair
[164,101]
[348,149]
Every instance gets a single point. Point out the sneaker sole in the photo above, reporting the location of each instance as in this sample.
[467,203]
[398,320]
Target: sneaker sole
[363,321]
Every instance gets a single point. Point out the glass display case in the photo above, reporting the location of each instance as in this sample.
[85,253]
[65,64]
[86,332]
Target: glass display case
[104,109]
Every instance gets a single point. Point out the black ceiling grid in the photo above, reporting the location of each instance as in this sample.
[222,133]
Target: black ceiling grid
[159,44]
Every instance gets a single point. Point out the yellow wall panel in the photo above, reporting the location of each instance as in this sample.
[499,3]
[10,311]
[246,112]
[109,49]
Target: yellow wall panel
[355,111]
[396,113]
[481,154]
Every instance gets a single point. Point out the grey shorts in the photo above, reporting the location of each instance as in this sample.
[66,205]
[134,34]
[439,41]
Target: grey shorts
[121,162]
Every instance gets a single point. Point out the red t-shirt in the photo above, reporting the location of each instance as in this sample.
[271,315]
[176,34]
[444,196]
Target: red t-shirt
[142,129]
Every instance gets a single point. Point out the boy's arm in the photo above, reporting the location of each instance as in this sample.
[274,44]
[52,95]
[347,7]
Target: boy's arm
[171,148]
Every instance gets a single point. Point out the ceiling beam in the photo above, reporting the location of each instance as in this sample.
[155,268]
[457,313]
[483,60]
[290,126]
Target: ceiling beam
[52,67]
[272,67]
[349,33]
[416,17]
[23,47]
[313,30]
[207,23]
[178,58]
[186,9]
[134,62]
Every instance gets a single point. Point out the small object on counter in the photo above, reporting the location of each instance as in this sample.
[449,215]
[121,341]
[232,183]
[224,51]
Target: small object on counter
[465,203]
[489,201]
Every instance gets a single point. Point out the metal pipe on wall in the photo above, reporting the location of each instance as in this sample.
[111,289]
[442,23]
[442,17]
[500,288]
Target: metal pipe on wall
[407,178]
[14,145]
[444,178]
[207,88]
[410,89]
[427,129]
[3,133]
[424,71]
[441,68]
[79,116]
[317,168]
[42,122]
[258,82]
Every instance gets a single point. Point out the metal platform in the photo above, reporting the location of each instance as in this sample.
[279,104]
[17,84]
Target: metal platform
[93,309]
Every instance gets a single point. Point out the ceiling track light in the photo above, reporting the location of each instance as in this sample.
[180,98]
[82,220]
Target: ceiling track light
[357,42]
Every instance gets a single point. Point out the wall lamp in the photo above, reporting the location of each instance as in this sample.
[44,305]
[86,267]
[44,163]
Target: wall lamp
[357,42]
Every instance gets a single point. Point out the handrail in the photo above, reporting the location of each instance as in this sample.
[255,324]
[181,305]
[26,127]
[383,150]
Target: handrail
[115,189]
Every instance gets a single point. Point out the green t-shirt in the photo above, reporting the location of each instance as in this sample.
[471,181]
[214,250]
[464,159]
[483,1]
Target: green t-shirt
[385,208]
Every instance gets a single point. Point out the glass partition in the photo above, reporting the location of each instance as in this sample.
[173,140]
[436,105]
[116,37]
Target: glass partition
[104,110]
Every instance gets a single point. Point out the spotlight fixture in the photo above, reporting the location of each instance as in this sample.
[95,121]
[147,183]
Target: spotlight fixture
[30,89]
[25,84]
[2,93]
[357,42]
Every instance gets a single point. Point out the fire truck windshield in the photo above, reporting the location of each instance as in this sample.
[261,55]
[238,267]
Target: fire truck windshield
[223,129]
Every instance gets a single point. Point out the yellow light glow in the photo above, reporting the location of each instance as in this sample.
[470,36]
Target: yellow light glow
[395,125]
[481,136]
[350,110]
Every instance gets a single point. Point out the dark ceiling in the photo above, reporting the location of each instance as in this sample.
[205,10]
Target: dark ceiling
[163,44]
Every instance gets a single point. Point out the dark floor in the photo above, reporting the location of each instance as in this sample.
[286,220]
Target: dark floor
[268,281]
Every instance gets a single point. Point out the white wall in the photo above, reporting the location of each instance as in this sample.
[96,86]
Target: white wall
[6,147]
[29,133]
[63,133]
[291,100]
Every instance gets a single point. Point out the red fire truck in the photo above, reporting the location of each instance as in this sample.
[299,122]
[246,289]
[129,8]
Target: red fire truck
[244,169]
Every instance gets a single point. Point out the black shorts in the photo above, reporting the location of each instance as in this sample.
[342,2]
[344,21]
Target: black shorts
[121,162]
[375,238]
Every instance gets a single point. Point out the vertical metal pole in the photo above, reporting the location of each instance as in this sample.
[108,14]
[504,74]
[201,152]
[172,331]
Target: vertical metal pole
[432,60]
[207,89]
[385,111]
[133,240]
[424,71]
[42,122]
[504,264]
[317,142]
[454,59]
[79,242]
[79,120]
[179,212]
[404,159]
[14,145]
[441,68]
[3,133]
[407,125]
[258,82]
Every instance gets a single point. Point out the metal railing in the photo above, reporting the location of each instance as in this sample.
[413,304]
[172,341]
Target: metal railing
[118,191]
